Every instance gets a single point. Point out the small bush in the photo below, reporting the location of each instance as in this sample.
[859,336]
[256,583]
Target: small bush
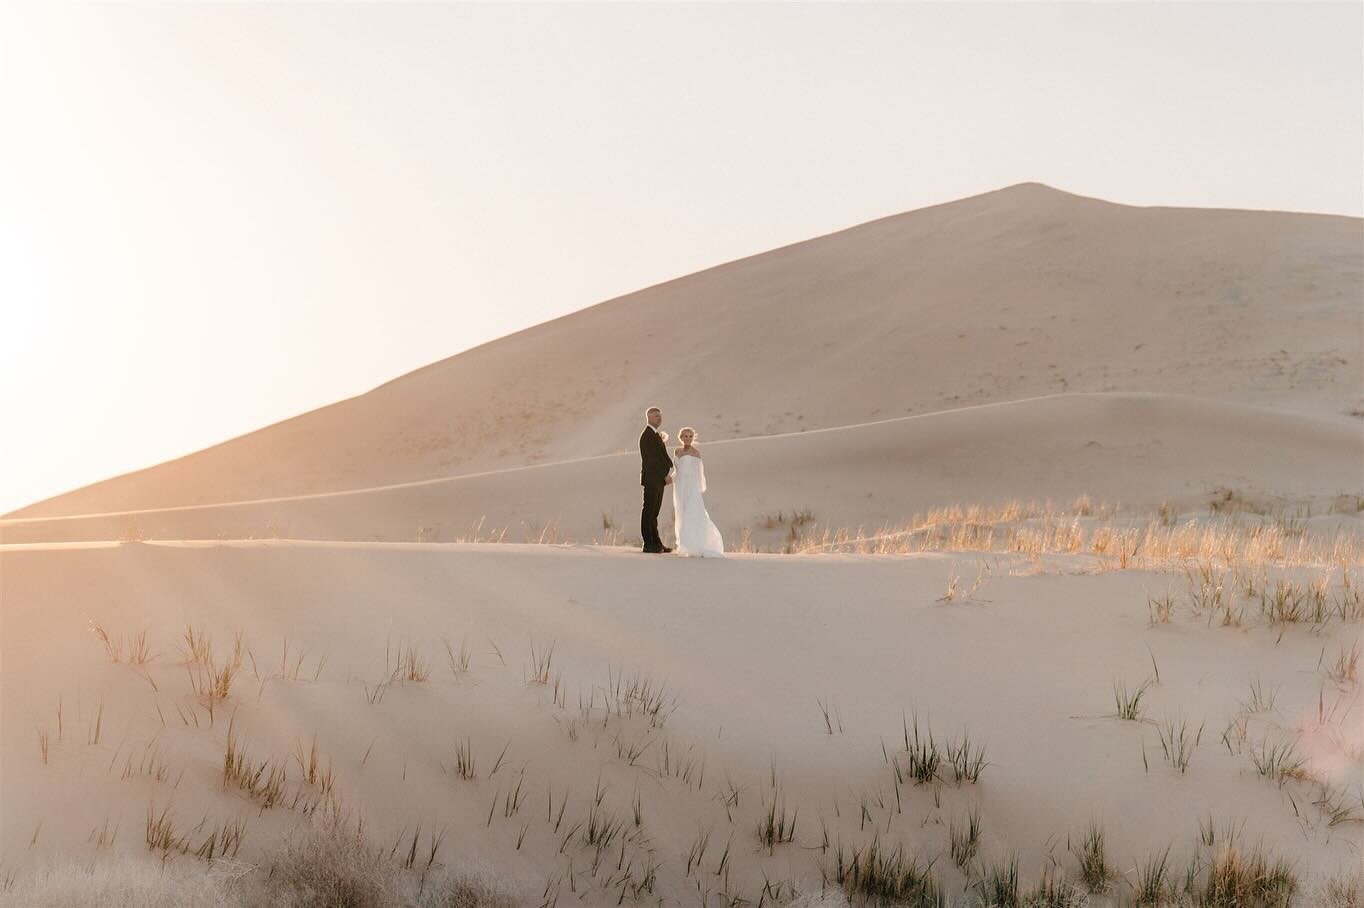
[329,864]
[128,884]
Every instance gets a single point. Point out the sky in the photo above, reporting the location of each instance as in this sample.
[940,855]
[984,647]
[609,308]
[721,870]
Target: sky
[215,217]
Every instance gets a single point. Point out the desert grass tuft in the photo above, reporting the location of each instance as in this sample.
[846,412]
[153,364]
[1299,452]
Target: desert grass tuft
[465,765]
[223,840]
[134,648]
[1345,669]
[1278,762]
[459,662]
[374,693]
[1053,890]
[1161,609]
[924,757]
[311,766]
[777,827]
[697,852]
[967,762]
[198,646]
[1152,879]
[965,839]
[541,660]
[262,782]
[112,647]
[998,884]
[411,665]
[210,679]
[1339,806]
[1261,700]
[602,827]
[1091,852]
[1129,704]
[886,877]
[150,764]
[1248,880]
[1177,744]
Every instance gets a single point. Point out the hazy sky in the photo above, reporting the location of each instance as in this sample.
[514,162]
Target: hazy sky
[216,217]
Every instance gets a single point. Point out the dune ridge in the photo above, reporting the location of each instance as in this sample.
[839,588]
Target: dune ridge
[1137,450]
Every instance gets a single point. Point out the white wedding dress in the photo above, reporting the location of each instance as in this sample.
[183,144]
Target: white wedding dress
[696,534]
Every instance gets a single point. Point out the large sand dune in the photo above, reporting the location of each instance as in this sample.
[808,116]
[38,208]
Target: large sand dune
[749,648]
[1133,450]
[1017,293]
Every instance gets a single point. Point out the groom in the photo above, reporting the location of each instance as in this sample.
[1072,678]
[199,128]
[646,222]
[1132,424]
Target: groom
[653,475]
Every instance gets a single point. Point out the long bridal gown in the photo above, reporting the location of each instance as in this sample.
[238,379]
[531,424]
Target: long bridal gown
[696,534]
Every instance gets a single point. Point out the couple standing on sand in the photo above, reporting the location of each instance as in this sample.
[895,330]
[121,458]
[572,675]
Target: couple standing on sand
[696,534]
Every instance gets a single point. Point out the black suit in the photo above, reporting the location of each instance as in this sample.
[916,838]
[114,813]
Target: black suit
[655,465]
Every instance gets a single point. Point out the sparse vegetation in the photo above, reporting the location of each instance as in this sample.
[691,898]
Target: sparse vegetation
[1345,668]
[1239,879]
[998,884]
[540,659]
[967,762]
[886,877]
[133,648]
[459,662]
[1129,704]
[1160,542]
[923,758]
[965,839]
[1278,762]
[777,826]
[409,666]
[1091,852]
[1176,743]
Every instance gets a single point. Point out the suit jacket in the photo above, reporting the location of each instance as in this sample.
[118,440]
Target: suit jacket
[654,460]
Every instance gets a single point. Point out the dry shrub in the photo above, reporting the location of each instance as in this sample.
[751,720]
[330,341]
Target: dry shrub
[327,863]
[128,883]
[1127,542]
[463,890]
[330,863]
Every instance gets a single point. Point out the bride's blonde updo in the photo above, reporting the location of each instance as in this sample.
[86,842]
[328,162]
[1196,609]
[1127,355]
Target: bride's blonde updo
[684,430]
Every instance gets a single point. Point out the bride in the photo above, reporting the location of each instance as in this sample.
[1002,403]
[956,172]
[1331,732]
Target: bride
[696,534]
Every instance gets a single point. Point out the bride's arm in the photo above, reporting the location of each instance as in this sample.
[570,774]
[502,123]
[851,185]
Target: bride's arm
[701,468]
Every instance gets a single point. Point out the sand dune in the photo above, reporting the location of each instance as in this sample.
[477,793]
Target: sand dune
[776,635]
[1025,345]
[1136,450]
[1017,293]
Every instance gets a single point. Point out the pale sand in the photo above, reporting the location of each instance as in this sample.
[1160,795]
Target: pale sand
[748,645]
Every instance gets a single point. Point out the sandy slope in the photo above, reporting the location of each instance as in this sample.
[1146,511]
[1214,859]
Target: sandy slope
[1016,293]
[1133,449]
[747,646]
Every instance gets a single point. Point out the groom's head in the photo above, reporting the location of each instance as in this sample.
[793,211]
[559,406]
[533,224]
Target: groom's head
[654,416]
